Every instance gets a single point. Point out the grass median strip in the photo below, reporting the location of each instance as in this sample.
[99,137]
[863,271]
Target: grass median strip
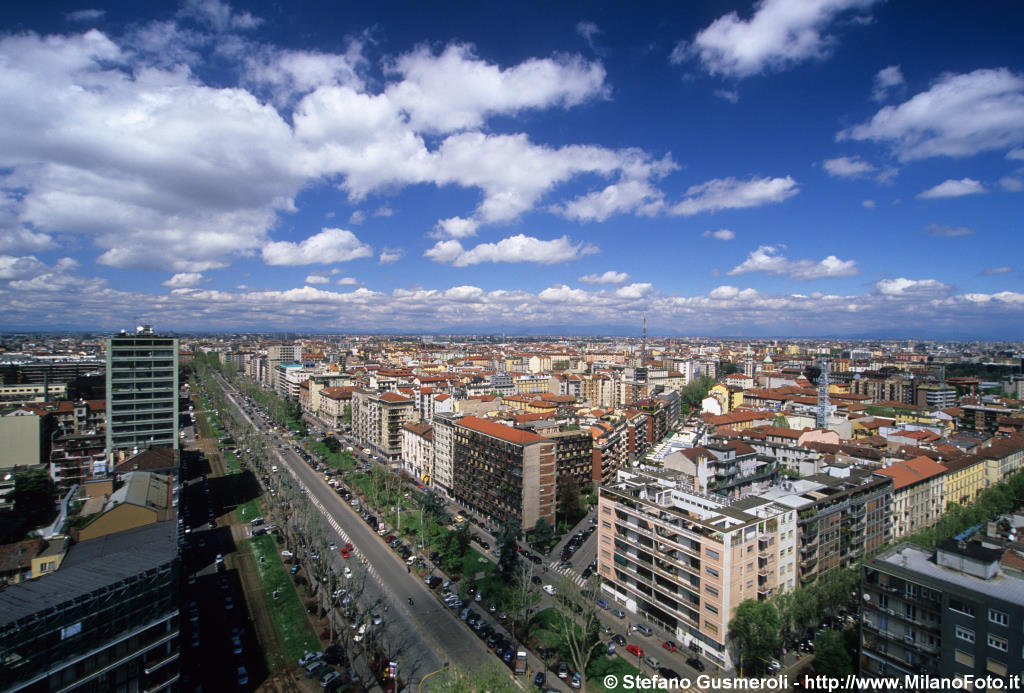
[289,616]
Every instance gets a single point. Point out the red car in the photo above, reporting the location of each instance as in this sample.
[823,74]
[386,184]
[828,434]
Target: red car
[344,553]
[634,650]
[348,546]
[669,645]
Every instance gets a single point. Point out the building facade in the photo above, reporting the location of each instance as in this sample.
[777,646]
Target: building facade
[142,391]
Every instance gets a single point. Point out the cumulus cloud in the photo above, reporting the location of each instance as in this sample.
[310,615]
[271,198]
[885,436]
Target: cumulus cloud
[327,247]
[1010,184]
[945,120]
[185,279]
[731,193]
[848,167]
[768,259]
[912,288]
[455,90]
[953,188]
[609,277]
[720,234]
[780,34]
[389,256]
[947,231]
[625,196]
[887,79]
[218,15]
[21,240]
[518,248]
[456,227]
[317,279]
[868,204]
[347,281]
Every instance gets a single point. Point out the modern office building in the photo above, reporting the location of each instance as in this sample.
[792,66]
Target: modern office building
[946,613]
[685,560]
[503,473]
[142,391]
[106,620]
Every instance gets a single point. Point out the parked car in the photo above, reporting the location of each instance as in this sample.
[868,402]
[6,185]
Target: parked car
[550,589]
[695,663]
[635,650]
[642,629]
[670,646]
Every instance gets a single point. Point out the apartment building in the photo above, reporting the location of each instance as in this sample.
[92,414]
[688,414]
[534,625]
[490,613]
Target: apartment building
[965,479]
[290,377]
[685,560]
[377,421]
[444,449]
[504,473]
[951,612]
[142,391]
[106,620]
[843,514]
[1003,457]
[333,401]
[418,450]
[610,451]
[918,498]
[77,457]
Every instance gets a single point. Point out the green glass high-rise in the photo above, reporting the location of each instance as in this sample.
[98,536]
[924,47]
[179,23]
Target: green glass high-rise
[142,391]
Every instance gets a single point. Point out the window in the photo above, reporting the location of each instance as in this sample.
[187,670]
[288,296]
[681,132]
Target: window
[997,643]
[606,524]
[998,617]
[711,609]
[711,553]
[957,605]
[965,634]
[711,571]
[711,590]
[964,658]
[710,627]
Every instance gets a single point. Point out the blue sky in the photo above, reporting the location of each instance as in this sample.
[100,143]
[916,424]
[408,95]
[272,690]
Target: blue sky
[826,168]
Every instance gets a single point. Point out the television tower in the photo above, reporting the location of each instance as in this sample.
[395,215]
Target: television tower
[823,404]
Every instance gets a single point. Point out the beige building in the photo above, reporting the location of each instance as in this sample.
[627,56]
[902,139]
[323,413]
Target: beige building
[33,392]
[21,438]
[918,498]
[143,499]
[418,450]
[684,561]
[377,421]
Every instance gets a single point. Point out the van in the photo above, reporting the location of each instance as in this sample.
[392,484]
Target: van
[520,662]
[642,629]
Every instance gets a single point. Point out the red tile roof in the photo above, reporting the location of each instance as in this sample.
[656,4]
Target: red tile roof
[912,471]
[497,430]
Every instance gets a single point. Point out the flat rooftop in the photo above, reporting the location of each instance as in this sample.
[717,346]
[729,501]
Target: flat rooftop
[1004,587]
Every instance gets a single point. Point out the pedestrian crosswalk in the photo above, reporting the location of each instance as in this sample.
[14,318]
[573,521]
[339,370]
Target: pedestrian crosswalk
[568,573]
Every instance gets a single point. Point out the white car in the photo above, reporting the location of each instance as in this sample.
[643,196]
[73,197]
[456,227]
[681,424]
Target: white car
[348,573]
[359,633]
[550,589]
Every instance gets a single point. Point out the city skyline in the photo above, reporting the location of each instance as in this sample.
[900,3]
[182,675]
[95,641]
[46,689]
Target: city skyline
[846,168]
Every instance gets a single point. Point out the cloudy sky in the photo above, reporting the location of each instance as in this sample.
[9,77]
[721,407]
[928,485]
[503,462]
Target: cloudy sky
[783,167]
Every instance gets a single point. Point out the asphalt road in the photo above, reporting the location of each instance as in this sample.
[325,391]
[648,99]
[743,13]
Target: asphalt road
[422,636]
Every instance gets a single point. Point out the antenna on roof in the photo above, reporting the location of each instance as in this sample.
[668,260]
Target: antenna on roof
[643,343]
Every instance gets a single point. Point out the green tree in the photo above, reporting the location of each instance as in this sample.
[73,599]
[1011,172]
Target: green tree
[34,496]
[569,501]
[332,444]
[780,421]
[694,392]
[432,507]
[831,657]
[346,414]
[728,368]
[756,632]
[490,678]
[543,532]
[508,561]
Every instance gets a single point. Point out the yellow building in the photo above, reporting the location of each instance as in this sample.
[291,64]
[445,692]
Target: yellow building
[144,499]
[965,479]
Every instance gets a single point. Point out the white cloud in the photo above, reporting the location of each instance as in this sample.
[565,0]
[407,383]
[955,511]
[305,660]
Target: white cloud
[389,256]
[218,15]
[288,74]
[357,217]
[456,90]
[635,291]
[609,277]
[85,15]
[383,211]
[868,204]
[589,31]
[1010,184]
[914,288]
[730,95]
[720,234]
[946,231]
[848,167]
[781,33]
[1007,297]
[564,295]
[518,248]
[347,281]
[317,279]
[327,247]
[13,267]
[184,279]
[456,227]
[19,240]
[887,79]
[960,115]
[996,270]
[730,193]
[953,188]
[1015,154]
[767,259]
[624,196]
